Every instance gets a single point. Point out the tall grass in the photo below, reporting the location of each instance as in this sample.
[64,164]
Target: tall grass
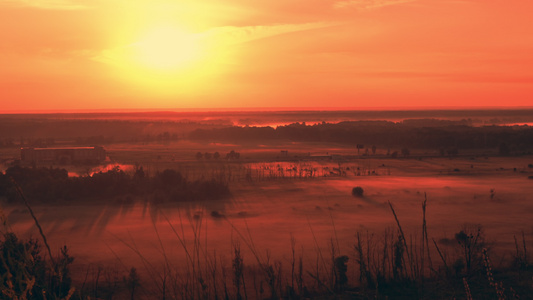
[25,273]
[394,264]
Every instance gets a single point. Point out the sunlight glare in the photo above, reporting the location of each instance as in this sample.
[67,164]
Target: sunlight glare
[167,59]
[168,48]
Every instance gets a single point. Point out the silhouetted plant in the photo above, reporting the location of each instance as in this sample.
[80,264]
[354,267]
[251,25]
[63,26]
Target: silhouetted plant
[398,266]
[341,279]
[25,274]
[357,191]
[22,267]
[365,276]
[471,241]
[237,270]
[132,282]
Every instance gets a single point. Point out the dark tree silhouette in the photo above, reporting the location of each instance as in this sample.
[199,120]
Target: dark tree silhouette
[199,155]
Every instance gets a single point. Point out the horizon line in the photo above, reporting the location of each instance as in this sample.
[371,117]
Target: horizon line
[259,109]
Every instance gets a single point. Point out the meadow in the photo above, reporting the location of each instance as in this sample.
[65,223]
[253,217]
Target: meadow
[426,224]
[297,202]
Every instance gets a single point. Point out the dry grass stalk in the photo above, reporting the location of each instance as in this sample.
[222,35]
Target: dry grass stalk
[402,237]
[21,194]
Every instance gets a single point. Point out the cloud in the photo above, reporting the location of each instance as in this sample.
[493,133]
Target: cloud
[230,35]
[49,4]
[368,4]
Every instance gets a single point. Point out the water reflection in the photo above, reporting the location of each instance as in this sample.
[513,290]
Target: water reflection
[101,168]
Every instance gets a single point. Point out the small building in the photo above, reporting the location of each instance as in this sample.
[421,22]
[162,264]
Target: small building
[67,155]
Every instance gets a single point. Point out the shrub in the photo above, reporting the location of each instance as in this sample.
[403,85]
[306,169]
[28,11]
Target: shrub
[25,274]
[357,191]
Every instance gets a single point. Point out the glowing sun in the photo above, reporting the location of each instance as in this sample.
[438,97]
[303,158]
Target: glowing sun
[168,59]
[168,48]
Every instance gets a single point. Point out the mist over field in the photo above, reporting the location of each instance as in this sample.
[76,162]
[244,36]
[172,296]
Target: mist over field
[191,199]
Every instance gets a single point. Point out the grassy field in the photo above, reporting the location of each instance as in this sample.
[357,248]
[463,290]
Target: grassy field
[276,203]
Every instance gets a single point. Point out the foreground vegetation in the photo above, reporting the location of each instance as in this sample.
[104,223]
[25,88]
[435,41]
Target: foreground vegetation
[391,265]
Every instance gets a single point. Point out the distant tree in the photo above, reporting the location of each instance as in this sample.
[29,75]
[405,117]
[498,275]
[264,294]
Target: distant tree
[216,155]
[169,178]
[357,191]
[405,152]
[374,148]
[233,155]
[394,154]
[359,147]
[199,155]
[207,155]
[230,155]
[139,173]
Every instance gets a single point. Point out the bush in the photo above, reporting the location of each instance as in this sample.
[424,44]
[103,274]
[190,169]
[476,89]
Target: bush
[357,191]
[25,274]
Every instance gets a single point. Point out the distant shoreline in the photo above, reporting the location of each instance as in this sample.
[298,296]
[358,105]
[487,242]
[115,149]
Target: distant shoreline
[273,118]
[267,109]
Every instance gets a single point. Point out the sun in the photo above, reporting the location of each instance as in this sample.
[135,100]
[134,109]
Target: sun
[167,59]
[168,48]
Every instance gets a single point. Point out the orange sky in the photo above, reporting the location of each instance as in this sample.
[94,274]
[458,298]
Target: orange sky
[163,54]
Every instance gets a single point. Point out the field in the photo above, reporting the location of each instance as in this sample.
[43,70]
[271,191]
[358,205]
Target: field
[275,199]
[291,217]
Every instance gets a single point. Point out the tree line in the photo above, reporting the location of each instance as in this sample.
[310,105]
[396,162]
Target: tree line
[390,134]
[54,184]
